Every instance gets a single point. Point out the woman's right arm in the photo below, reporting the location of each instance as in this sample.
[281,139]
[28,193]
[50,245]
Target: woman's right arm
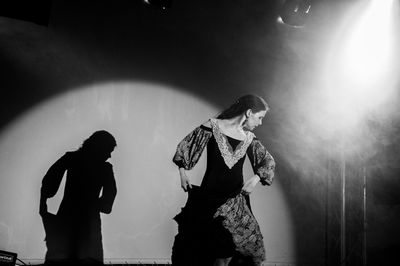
[188,152]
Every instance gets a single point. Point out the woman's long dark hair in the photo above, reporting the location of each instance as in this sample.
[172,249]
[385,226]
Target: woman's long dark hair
[253,102]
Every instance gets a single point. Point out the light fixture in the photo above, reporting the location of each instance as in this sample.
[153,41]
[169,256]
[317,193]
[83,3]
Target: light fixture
[295,12]
[160,4]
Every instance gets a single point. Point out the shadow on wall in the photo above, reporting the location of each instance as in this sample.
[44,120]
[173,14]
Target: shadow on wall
[73,235]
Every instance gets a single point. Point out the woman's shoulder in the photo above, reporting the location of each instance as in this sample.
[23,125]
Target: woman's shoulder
[206,125]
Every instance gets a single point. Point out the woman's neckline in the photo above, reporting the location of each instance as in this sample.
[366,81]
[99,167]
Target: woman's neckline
[210,129]
[232,137]
[223,133]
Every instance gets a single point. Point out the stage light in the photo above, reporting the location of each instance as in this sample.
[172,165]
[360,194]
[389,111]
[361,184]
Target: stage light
[160,4]
[361,71]
[368,51]
[295,12]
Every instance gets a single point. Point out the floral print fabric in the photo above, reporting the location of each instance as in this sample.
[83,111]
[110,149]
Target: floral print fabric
[262,162]
[191,147]
[240,222]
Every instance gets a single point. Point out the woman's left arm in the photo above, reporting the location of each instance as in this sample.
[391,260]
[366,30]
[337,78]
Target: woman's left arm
[263,166]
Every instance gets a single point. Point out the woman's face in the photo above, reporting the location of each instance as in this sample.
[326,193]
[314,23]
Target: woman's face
[254,119]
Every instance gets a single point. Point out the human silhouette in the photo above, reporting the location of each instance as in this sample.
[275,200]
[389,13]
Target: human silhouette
[73,235]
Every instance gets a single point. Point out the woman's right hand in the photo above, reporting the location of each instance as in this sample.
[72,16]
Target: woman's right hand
[185,182]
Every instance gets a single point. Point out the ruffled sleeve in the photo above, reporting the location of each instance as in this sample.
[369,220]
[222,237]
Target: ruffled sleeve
[191,147]
[262,162]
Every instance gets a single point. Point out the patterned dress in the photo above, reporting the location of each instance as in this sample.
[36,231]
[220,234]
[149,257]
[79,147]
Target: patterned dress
[217,221]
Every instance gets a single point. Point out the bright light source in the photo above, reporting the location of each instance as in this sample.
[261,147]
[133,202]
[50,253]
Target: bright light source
[366,55]
[361,71]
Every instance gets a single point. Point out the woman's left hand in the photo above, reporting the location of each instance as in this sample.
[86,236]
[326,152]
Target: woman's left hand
[250,184]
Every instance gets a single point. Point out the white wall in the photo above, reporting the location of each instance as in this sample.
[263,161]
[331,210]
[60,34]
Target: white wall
[147,120]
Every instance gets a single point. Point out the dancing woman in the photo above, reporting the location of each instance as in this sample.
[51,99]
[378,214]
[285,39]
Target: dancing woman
[217,222]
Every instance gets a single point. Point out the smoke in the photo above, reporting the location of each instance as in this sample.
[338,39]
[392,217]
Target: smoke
[319,115]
